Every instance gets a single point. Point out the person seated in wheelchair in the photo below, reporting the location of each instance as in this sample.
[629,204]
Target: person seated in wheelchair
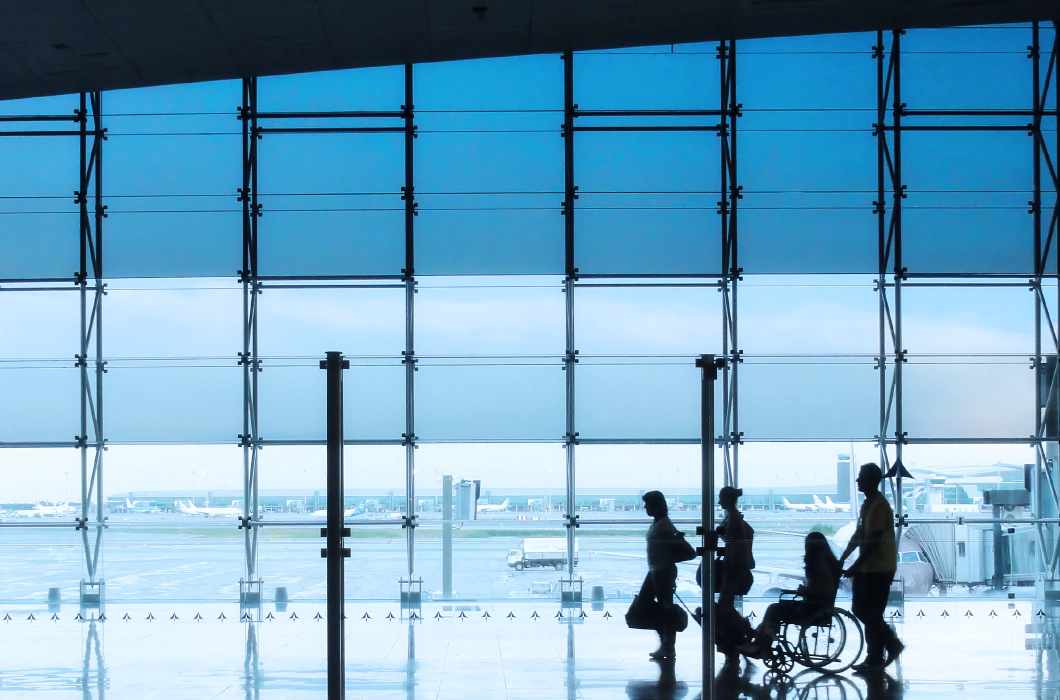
[817,596]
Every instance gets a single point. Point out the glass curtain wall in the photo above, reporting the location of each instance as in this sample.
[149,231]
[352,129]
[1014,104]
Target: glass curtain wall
[522,258]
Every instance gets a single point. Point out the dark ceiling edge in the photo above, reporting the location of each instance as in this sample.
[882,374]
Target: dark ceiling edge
[28,92]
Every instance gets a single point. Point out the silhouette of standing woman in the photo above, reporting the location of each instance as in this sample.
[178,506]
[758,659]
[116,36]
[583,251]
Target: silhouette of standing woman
[735,577]
[662,570]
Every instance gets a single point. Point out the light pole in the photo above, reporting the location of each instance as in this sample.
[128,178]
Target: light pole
[66,485]
[548,498]
[193,487]
[206,478]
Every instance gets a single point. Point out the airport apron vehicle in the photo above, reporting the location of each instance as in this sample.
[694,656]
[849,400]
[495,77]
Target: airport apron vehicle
[541,551]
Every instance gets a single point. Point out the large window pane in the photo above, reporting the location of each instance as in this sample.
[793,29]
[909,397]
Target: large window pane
[647,203]
[637,398]
[173,163]
[39,385]
[647,320]
[684,76]
[968,320]
[173,401]
[332,205]
[967,67]
[798,398]
[306,322]
[967,202]
[489,167]
[475,399]
[522,496]
[808,314]
[806,157]
[496,316]
[949,397]
[293,399]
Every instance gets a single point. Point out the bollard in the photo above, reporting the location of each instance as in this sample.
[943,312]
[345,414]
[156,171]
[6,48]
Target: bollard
[281,599]
[55,600]
[596,597]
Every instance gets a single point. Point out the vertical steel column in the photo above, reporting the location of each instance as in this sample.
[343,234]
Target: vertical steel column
[730,269]
[889,232]
[1043,548]
[335,552]
[570,357]
[248,358]
[1047,388]
[409,354]
[710,365]
[91,266]
[899,275]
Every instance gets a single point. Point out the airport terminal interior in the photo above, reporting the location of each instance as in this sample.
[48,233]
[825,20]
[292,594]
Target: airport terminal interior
[521,259]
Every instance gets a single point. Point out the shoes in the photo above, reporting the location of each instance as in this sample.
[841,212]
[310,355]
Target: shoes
[868,666]
[751,649]
[893,651]
[660,654]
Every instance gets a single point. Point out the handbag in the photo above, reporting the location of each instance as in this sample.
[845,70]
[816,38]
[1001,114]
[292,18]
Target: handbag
[683,551]
[644,614]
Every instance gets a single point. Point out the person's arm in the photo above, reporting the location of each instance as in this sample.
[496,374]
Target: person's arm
[877,522]
[868,546]
[855,542]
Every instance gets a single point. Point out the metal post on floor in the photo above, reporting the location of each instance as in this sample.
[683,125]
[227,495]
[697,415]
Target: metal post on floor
[710,366]
[335,553]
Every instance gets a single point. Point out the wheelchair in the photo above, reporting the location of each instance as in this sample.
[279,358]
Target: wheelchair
[830,642]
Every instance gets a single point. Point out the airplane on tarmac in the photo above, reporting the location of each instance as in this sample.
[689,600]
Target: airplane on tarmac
[801,507]
[497,508]
[45,509]
[207,511]
[347,513]
[837,507]
[828,506]
[141,507]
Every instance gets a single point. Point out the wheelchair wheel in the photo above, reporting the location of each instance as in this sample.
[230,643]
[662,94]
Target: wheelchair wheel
[832,648]
[779,657]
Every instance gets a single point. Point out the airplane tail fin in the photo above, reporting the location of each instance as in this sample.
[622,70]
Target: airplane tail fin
[786,502]
[828,500]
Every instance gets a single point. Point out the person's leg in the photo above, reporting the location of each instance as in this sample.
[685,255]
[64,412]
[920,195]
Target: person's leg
[870,603]
[665,580]
[862,608]
[880,585]
[647,594]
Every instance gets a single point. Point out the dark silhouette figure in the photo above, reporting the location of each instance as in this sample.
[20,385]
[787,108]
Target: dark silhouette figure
[818,594]
[873,571]
[733,573]
[661,580]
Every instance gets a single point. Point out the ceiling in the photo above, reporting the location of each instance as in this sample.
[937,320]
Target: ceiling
[61,46]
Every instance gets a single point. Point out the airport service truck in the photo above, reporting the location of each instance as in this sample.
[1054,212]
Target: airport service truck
[541,551]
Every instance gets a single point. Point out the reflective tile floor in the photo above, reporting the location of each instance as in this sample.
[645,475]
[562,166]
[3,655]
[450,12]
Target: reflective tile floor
[976,649]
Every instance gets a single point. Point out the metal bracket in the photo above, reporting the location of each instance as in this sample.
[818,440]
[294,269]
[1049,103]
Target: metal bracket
[408,521]
[345,532]
[572,521]
[324,552]
[324,364]
[245,522]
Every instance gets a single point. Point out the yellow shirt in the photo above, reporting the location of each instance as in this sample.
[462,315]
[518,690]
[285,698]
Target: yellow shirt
[877,516]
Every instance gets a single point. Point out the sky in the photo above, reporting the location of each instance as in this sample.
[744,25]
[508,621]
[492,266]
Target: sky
[489,248]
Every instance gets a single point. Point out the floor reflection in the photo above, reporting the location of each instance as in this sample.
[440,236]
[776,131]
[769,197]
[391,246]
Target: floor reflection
[93,671]
[252,680]
[667,687]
